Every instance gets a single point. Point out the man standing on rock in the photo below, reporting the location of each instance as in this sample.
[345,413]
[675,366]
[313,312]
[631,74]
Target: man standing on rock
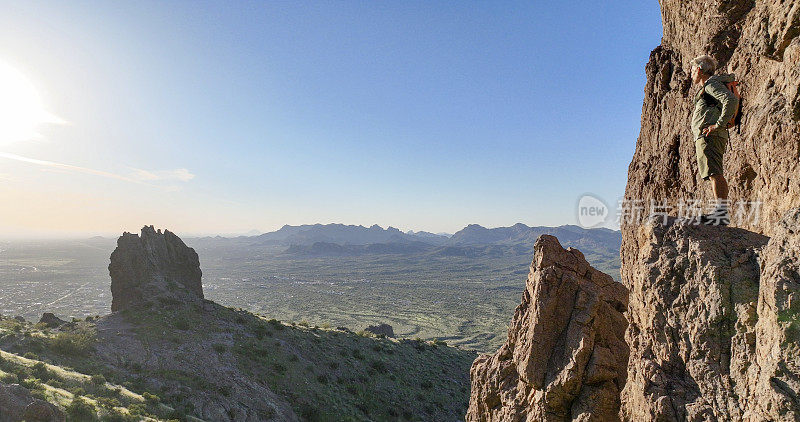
[714,106]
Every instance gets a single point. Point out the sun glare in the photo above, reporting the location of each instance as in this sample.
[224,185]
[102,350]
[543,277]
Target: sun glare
[22,111]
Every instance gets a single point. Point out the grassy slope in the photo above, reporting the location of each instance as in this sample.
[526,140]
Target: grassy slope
[322,373]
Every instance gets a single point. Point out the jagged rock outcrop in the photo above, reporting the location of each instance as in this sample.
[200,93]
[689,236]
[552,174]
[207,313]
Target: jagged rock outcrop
[714,323]
[760,43]
[153,265]
[565,357]
[17,404]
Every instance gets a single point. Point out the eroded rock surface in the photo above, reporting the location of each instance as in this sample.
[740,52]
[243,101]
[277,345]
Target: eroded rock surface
[153,265]
[774,377]
[760,43]
[565,356]
[692,313]
[17,404]
[713,311]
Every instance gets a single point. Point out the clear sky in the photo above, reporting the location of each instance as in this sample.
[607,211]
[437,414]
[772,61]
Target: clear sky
[222,117]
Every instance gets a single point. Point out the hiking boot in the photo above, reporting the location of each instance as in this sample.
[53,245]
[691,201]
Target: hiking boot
[717,218]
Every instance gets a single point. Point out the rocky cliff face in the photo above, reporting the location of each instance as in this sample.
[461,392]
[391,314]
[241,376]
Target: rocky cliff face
[714,323]
[713,311]
[153,265]
[759,42]
[565,356]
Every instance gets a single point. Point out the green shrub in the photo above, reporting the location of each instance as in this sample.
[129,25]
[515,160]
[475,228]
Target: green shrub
[150,398]
[303,323]
[80,410]
[262,331]
[31,384]
[358,354]
[30,355]
[220,348]
[378,365]
[182,324]
[98,379]
[108,402]
[39,370]
[76,343]
[113,415]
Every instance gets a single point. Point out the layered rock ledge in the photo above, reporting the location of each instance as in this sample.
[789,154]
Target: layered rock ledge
[565,357]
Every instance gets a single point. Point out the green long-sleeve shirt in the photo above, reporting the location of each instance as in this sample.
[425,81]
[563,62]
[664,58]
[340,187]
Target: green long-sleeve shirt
[718,111]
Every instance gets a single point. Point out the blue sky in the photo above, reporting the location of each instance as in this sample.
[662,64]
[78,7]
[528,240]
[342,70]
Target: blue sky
[221,117]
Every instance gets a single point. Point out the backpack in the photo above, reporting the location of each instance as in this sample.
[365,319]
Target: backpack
[736,120]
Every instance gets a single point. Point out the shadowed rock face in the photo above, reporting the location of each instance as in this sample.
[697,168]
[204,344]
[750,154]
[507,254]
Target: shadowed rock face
[714,324]
[565,356]
[774,377]
[153,265]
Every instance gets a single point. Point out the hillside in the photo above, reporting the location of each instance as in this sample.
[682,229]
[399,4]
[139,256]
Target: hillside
[178,355]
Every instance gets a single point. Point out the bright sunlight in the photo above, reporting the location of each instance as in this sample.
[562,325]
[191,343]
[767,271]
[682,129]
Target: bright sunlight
[22,111]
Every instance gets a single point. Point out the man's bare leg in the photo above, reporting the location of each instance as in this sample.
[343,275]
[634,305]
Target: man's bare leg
[719,186]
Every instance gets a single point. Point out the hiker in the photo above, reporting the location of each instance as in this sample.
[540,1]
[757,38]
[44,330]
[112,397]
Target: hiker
[714,107]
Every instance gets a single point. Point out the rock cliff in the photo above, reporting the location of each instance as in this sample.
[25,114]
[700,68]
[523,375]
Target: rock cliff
[759,42]
[153,265]
[714,323]
[713,311]
[565,356]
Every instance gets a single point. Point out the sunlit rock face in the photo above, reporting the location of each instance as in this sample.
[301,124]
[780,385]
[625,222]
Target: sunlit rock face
[759,43]
[153,266]
[565,357]
[714,323]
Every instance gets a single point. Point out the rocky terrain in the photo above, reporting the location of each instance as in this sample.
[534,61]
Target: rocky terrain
[760,43]
[565,357]
[713,313]
[168,353]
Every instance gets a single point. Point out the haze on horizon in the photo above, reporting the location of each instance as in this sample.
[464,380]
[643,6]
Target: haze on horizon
[213,119]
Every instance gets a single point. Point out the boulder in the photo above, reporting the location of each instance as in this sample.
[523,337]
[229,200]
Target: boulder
[692,313]
[381,329]
[565,357]
[17,404]
[51,320]
[153,266]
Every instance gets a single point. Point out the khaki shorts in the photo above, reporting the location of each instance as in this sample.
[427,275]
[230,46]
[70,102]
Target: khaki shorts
[710,150]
